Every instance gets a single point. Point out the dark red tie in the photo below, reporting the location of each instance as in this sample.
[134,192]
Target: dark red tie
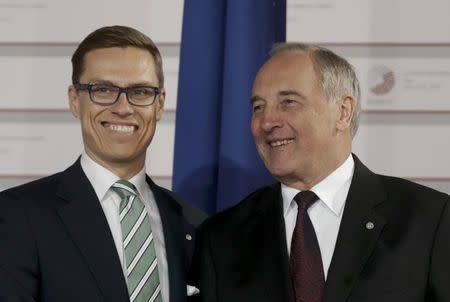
[305,261]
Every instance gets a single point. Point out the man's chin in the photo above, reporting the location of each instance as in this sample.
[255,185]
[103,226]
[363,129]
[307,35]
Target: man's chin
[280,173]
[120,157]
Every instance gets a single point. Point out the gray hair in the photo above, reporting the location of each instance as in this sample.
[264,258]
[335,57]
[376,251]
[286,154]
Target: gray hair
[337,76]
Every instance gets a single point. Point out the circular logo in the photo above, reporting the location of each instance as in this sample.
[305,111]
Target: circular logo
[381,80]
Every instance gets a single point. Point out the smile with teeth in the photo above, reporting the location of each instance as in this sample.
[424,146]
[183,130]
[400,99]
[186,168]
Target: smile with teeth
[281,142]
[121,128]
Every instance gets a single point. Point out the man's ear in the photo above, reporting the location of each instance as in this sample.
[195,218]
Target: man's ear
[74,101]
[161,99]
[346,107]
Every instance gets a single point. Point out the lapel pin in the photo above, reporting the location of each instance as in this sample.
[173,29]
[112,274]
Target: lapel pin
[188,237]
[370,225]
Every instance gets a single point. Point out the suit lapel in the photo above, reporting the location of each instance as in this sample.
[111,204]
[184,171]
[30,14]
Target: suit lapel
[175,231]
[277,281]
[356,238]
[86,223]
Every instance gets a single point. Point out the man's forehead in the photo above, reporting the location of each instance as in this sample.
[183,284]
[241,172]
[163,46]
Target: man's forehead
[131,60]
[289,57]
[286,64]
[118,51]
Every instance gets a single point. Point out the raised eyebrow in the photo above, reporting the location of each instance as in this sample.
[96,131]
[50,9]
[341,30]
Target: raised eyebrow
[102,82]
[106,82]
[291,92]
[255,98]
[142,84]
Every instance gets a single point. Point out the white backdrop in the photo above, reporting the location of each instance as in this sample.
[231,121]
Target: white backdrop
[403,65]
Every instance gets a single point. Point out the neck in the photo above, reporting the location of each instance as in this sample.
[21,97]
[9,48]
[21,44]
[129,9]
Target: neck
[305,180]
[124,169]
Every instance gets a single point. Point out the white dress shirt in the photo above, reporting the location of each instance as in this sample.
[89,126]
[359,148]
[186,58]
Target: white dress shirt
[326,213]
[102,179]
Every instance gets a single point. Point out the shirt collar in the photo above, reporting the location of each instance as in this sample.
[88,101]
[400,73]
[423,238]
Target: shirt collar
[327,189]
[139,181]
[102,179]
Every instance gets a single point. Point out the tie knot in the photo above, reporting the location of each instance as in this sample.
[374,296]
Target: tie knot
[305,199]
[124,188]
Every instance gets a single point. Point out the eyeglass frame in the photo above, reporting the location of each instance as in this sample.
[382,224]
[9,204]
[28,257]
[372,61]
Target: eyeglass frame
[88,87]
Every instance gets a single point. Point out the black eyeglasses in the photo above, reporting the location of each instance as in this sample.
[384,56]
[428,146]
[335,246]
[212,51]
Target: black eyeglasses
[106,94]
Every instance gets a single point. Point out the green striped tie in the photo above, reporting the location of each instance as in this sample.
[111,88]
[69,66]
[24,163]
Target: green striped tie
[142,269]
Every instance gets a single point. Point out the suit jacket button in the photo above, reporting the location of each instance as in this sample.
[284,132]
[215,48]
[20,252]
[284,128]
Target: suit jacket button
[188,237]
[370,225]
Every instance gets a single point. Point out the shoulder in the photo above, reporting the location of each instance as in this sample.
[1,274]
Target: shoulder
[425,202]
[257,204]
[401,199]
[396,190]
[44,189]
[193,215]
[35,190]
[21,205]
[396,186]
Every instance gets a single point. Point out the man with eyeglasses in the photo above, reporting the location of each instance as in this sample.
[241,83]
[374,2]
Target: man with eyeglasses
[102,230]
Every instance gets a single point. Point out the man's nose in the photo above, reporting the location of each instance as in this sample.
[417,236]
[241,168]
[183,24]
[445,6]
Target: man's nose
[270,118]
[122,106]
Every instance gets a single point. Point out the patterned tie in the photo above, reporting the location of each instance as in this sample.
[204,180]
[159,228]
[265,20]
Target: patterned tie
[140,256]
[306,261]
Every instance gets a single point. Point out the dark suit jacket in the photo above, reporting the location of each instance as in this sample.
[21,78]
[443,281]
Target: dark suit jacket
[242,254]
[56,245]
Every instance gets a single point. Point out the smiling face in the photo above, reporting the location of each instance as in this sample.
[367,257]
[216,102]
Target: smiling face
[117,136]
[300,136]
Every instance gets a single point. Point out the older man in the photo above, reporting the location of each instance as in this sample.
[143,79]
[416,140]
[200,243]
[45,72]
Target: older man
[102,230]
[331,230]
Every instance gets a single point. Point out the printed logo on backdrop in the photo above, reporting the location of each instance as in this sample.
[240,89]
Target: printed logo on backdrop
[381,80]
[381,83]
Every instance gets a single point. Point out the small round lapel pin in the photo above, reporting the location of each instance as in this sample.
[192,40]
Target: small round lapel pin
[370,225]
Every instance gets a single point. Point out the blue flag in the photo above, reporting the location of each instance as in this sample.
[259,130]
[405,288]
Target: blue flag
[223,44]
